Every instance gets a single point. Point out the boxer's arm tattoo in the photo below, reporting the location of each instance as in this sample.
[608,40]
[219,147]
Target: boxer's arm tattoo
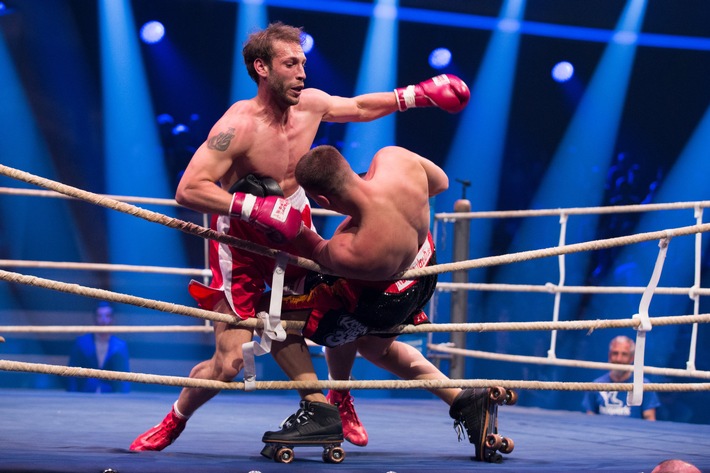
[220,142]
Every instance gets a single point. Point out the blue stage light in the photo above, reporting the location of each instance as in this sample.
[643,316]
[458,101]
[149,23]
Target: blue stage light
[307,42]
[440,58]
[152,32]
[164,119]
[563,71]
[180,128]
[5,9]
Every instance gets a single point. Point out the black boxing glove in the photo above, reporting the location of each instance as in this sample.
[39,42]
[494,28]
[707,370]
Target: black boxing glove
[257,185]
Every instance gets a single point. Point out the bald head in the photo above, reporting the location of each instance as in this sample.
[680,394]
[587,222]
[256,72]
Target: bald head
[675,466]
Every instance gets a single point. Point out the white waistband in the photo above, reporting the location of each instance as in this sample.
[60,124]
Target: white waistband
[298,199]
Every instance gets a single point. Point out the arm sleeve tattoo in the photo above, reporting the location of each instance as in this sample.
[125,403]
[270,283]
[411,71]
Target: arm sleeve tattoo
[220,141]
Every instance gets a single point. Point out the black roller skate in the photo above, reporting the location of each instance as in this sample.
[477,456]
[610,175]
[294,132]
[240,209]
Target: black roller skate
[475,412]
[313,424]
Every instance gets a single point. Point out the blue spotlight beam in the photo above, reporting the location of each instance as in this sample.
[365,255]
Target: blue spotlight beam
[477,149]
[687,181]
[251,16]
[581,159]
[377,73]
[476,152]
[134,157]
[575,177]
[22,146]
[464,20]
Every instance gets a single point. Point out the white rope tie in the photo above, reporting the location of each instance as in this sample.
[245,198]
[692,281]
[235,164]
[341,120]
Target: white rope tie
[561,283]
[635,397]
[272,329]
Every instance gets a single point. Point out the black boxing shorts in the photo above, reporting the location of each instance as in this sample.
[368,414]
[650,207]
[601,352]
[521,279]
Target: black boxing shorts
[376,308]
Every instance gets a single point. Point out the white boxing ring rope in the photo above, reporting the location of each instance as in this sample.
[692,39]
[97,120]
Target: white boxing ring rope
[694,292]
[331,384]
[155,217]
[428,384]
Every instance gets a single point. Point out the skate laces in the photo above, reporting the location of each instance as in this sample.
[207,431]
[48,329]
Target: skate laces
[288,421]
[460,428]
[301,416]
[465,419]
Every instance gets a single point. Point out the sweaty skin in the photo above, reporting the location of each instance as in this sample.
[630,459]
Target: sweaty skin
[392,195]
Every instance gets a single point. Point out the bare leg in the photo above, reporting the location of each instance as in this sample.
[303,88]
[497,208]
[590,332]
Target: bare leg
[341,360]
[321,420]
[293,357]
[404,361]
[225,364]
[340,364]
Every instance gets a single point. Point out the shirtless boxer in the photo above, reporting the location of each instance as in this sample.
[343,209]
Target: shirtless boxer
[385,232]
[252,151]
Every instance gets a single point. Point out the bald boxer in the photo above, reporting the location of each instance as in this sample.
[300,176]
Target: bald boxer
[243,174]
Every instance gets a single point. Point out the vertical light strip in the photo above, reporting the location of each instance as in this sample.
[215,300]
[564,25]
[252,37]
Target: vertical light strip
[575,177]
[378,72]
[476,153]
[134,157]
[251,16]
[477,150]
[22,146]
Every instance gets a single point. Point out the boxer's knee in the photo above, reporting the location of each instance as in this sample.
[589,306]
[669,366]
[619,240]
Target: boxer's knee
[374,348]
[225,366]
[228,369]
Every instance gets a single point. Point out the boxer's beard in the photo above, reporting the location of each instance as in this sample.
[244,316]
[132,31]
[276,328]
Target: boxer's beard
[281,90]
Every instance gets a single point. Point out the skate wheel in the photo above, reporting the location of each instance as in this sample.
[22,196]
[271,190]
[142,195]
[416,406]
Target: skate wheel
[333,455]
[507,445]
[497,394]
[283,455]
[494,441]
[511,397]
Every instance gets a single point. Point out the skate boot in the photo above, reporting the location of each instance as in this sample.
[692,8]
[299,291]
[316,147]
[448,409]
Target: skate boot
[314,424]
[475,412]
[160,436]
[353,430]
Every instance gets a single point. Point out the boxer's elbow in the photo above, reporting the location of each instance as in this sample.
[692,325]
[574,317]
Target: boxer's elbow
[187,195]
[182,195]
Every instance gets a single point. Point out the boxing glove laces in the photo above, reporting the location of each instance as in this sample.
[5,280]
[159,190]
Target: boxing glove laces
[445,91]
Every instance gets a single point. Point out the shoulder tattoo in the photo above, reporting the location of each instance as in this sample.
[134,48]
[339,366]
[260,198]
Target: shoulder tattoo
[220,141]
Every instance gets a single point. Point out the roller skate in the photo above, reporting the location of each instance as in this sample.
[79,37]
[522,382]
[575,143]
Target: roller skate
[313,424]
[160,436]
[475,411]
[353,430]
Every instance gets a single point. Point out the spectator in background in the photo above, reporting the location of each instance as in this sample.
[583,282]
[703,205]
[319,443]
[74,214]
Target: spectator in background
[613,403]
[99,351]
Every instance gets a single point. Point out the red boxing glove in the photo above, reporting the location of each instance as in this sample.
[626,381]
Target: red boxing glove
[446,91]
[273,215]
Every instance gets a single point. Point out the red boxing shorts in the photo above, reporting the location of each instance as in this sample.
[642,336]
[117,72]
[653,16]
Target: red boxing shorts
[240,276]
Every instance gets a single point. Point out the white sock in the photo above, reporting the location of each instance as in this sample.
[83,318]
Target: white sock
[178,413]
